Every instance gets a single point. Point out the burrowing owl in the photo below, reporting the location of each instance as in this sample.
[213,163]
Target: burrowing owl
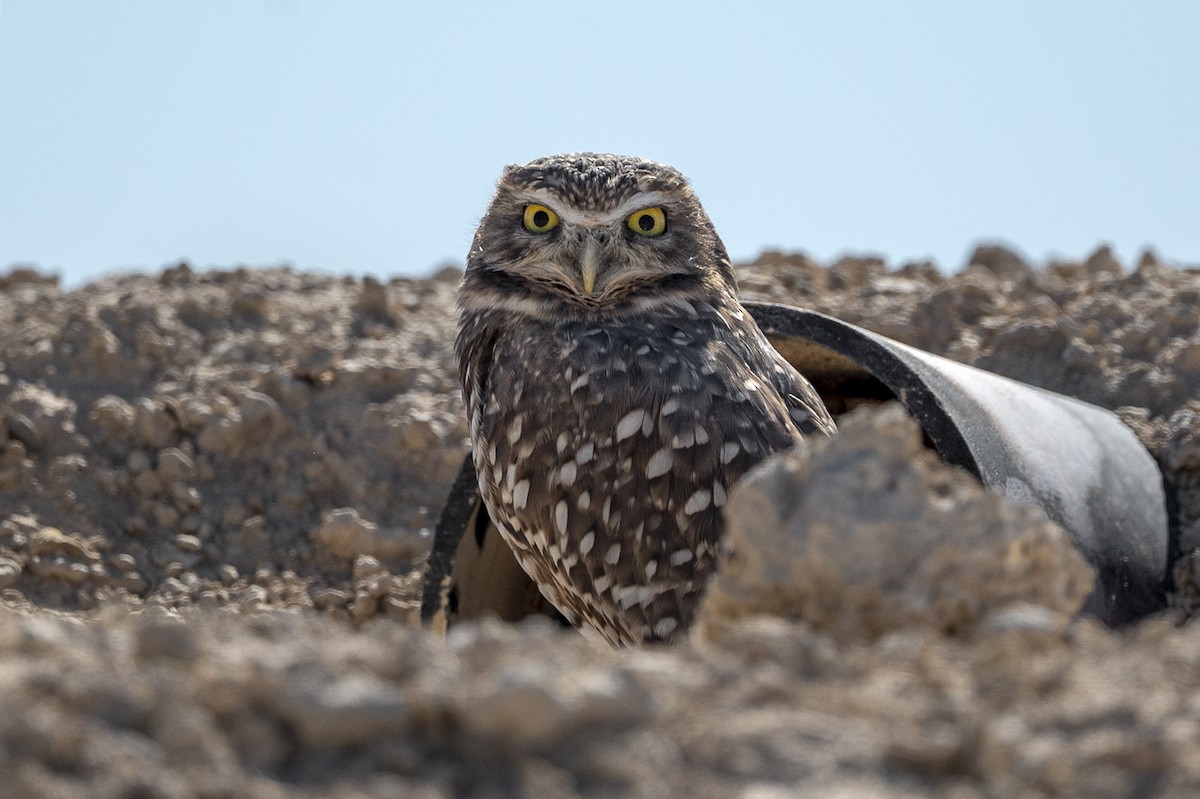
[616,388]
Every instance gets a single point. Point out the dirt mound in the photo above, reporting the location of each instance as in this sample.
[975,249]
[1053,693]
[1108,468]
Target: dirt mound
[265,439]
[217,490]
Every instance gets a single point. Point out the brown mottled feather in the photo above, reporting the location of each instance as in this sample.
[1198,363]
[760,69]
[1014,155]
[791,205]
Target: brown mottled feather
[607,433]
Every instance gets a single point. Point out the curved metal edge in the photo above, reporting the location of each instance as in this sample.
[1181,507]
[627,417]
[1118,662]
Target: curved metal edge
[452,524]
[1077,462]
[881,363]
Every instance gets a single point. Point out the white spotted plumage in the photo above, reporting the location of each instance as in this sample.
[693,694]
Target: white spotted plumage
[609,418]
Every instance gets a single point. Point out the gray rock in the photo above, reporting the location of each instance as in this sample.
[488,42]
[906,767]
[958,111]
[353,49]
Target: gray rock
[154,427]
[345,534]
[333,712]
[869,532]
[999,259]
[534,705]
[174,465]
[41,419]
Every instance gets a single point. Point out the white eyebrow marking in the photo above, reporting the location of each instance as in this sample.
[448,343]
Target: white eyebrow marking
[578,216]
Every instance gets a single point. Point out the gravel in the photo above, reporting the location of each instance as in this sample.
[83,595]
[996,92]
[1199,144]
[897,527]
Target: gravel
[217,491]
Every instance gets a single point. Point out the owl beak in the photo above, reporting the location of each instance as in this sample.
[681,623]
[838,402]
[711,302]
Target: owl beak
[589,264]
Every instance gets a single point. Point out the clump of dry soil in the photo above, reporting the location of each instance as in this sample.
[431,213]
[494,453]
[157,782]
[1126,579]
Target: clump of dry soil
[217,491]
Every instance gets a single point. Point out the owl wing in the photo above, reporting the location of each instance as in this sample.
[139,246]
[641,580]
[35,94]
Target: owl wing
[474,345]
[804,405]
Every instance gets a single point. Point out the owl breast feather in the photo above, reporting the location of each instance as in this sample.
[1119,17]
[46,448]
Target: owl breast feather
[605,454]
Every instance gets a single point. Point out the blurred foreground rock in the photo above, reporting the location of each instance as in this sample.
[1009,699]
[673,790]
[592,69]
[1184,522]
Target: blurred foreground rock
[281,704]
[869,532]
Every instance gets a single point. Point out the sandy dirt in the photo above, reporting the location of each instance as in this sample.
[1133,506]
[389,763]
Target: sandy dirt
[217,490]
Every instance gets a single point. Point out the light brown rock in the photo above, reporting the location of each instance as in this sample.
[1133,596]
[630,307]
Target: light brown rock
[869,532]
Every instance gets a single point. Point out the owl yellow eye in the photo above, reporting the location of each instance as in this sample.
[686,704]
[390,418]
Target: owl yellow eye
[648,222]
[539,219]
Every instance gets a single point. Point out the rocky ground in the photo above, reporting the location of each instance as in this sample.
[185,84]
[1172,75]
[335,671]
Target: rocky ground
[217,491]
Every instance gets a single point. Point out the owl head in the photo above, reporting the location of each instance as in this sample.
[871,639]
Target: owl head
[590,232]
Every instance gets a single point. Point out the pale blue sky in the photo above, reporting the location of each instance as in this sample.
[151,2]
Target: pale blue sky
[366,137]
